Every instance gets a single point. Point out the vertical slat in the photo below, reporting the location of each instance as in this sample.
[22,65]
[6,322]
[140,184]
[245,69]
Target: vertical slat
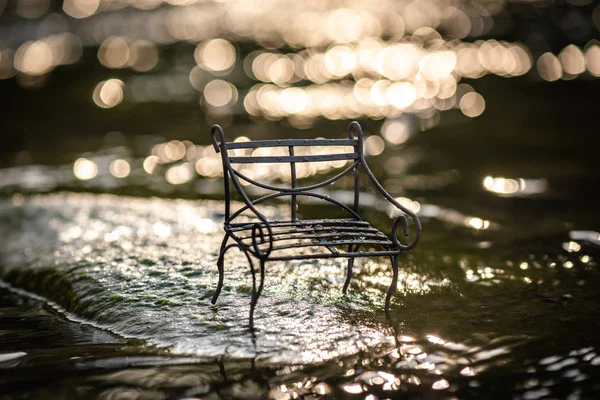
[356,188]
[227,195]
[358,149]
[293,176]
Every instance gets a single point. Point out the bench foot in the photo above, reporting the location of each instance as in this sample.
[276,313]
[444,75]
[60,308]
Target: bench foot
[256,293]
[220,263]
[349,269]
[348,274]
[393,285]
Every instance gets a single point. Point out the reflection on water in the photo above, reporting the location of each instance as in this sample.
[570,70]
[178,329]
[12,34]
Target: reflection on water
[515,187]
[145,269]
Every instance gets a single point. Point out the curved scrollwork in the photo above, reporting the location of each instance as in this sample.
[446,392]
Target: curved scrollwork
[355,127]
[259,235]
[214,131]
[404,221]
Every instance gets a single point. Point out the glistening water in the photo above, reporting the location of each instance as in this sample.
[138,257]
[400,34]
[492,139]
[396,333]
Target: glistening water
[480,116]
[108,295]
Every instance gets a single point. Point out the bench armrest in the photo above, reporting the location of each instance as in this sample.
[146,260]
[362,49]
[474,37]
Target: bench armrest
[258,234]
[402,219]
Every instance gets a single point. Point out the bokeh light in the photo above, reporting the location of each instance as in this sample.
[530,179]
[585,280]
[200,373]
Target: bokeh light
[472,104]
[85,169]
[215,55]
[34,58]
[150,163]
[143,55]
[119,168]
[549,67]
[114,52]
[109,93]
[219,93]
[572,60]
[592,59]
[374,145]
[395,131]
[80,8]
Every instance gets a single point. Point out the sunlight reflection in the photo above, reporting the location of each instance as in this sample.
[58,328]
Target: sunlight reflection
[549,67]
[114,52]
[477,223]
[441,384]
[108,94]
[219,93]
[180,174]
[520,186]
[353,388]
[592,59]
[34,58]
[572,247]
[590,236]
[215,55]
[572,60]
[472,104]
[80,8]
[395,131]
[120,168]
[85,169]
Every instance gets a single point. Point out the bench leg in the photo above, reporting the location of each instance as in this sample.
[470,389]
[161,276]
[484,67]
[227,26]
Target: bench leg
[220,263]
[349,269]
[256,293]
[262,279]
[348,274]
[393,285]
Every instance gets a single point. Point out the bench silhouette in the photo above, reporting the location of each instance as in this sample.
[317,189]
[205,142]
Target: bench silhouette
[294,238]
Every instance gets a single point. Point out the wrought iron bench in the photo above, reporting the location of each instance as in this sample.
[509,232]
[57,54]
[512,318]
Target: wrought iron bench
[319,238]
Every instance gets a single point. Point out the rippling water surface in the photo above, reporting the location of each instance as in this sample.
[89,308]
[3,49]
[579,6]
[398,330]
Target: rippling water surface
[480,116]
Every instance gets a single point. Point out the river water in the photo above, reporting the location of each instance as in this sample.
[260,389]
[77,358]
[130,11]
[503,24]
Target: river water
[111,202]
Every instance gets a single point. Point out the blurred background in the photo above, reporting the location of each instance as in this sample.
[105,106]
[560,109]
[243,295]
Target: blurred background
[146,78]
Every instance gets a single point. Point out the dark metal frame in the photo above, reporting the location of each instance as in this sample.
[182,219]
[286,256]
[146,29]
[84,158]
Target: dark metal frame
[257,238]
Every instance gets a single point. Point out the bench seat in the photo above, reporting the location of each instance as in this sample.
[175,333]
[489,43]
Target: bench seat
[319,238]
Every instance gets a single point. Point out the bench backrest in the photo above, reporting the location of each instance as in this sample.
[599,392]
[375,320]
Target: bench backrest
[292,152]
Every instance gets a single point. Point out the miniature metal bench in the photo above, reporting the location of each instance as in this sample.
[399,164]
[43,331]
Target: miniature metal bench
[319,238]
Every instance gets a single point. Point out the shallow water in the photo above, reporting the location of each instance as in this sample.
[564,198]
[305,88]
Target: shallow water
[508,307]
[499,299]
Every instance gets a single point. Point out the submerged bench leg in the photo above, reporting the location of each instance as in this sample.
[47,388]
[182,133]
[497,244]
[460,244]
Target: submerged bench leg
[349,269]
[256,293]
[393,285]
[220,263]
[348,274]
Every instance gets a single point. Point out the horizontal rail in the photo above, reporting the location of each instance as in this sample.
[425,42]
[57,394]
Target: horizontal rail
[382,243]
[301,224]
[255,144]
[288,159]
[338,255]
[345,235]
[335,229]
